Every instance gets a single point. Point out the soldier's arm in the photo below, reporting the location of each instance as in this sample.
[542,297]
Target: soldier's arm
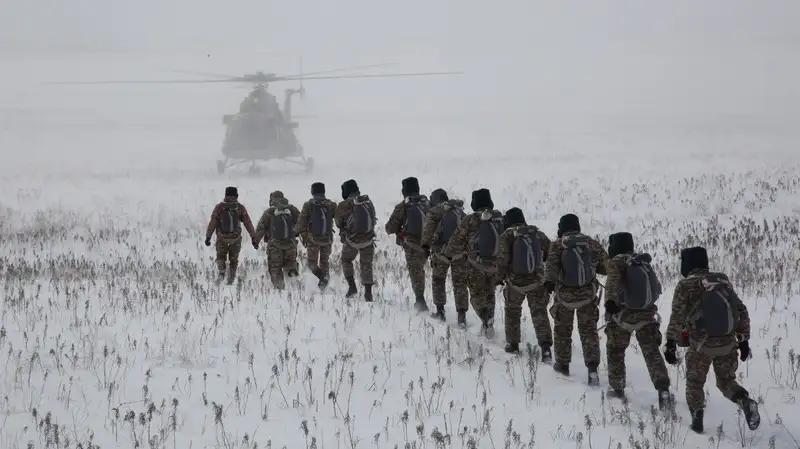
[262,227]
[395,222]
[680,303]
[213,222]
[601,256]
[301,225]
[744,321]
[334,207]
[432,219]
[341,215]
[504,254]
[545,245]
[458,242]
[553,266]
[613,281]
[295,213]
[248,223]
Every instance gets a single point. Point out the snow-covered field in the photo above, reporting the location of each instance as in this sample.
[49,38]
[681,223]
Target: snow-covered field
[113,334]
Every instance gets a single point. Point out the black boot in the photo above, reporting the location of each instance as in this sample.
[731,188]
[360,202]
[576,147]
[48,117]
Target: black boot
[488,327]
[462,318]
[547,355]
[594,377]
[561,368]
[351,287]
[664,400]
[618,393]
[697,421]
[323,282]
[292,273]
[512,348]
[420,305]
[368,292]
[439,312]
[750,409]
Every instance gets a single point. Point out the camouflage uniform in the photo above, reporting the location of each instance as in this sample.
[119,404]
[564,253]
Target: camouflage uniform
[441,264]
[570,303]
[228,246]
[519,287]
[354,244]
[318,247]
[414,254]
[717,351]
[281,253]
[618,336]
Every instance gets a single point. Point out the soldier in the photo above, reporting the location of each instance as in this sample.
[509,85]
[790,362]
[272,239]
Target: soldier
[711,340]
[573,262]
[407,223]
[355,218]
[477,236]
[632,288]
[520,265]
[226,219]
[276,227]
[441,223]
[315,228]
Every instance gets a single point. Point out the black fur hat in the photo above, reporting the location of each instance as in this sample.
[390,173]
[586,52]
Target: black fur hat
[620,243]
[318,188]
[692,259]
[410,186]
[568,223]
[481,199]
[514,217]
[438,196]
[348,188]
[232,191]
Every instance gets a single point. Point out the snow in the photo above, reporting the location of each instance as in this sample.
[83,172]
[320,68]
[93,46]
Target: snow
[114,335]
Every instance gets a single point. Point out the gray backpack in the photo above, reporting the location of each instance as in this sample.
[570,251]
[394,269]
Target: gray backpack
[486,242]
[229,219]
[451,219]
[526,251]
[577,265]
[362,220]
[640,286]
[717,314]
[320,220]
[282,226]
[415,215]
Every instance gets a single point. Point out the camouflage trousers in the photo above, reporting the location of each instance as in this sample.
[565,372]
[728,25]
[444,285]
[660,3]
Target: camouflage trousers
[415,262]
[537,303]
[697,366]
[481,288]
[228,254]
[458,278]
[563,324]
[280,258]
[318,258]
[365,255]
[617,341]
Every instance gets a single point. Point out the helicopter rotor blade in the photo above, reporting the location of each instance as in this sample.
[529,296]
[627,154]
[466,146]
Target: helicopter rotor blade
[320,72]
[232,80]
[382,75]
[206,74]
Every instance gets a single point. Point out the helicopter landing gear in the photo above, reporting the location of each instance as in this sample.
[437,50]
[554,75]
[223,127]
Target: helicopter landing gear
[221,165]
[309,163]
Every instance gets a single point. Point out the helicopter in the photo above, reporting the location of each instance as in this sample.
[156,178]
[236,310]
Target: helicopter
[263,131]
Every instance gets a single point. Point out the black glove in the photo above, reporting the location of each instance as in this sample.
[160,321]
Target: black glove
[208,242]
[427,250]
[611,307]
[499,282]
[670,352]
[549,287]
[255,243]
[744,350]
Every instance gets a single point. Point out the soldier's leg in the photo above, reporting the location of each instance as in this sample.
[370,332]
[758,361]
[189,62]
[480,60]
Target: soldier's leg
[221,247]
[477,291]
[538,300]
[617,341]
[563,323]
[349,255]
[513,314]
[312,258]
[490,296]
[697,366]
[649,338]
[290,261]
[725,371]
[439,269]
[588,316]
[233,256]
[275,266]
[366,259]
[324,260]
[415,263]
[459,270]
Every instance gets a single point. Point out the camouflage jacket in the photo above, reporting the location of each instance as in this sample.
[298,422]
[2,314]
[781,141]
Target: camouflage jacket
[504,260]
[397,221]
[215,223]
[303,225]
[460,241]
[615,271]
[434,216]
[343,212]
[552,270]
[686,299]
[264,227]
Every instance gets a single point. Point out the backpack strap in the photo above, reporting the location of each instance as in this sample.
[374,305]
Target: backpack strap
[597,293]
[523,288]
[358,245]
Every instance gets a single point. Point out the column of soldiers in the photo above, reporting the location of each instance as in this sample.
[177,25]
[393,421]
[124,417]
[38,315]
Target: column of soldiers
[485,249]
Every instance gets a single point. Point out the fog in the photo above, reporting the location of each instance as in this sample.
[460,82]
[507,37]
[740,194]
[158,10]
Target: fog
[530,66]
